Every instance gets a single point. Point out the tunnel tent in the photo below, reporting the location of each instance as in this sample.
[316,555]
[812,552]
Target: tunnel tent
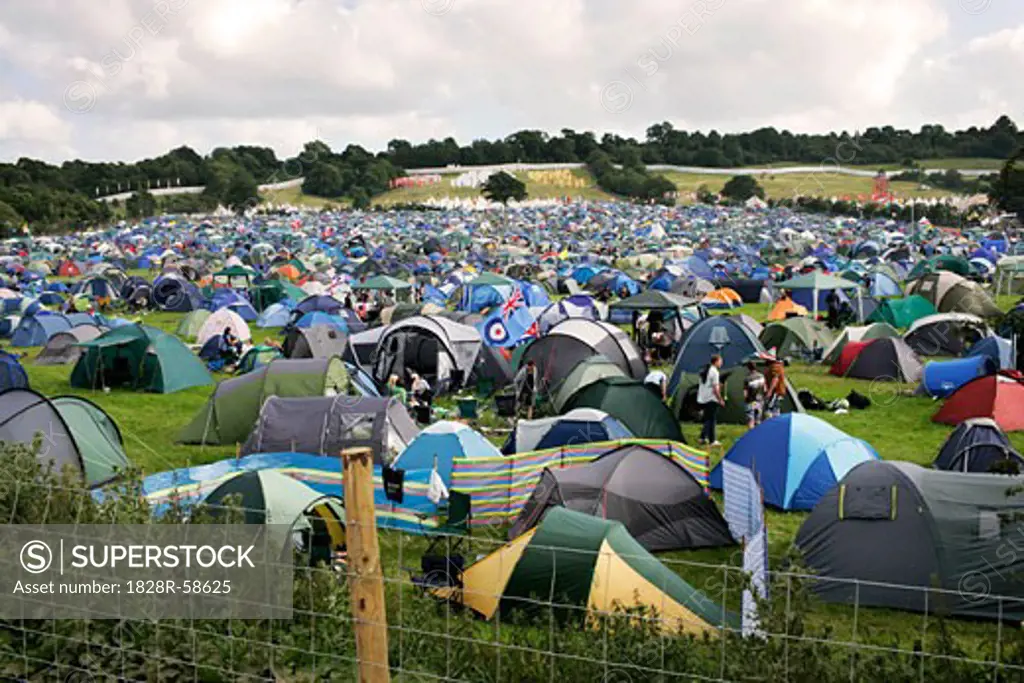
[63,348]
[939,530]
[573,340]
[585,372]
[230,413]
[256,357]
[441,351]
[632,404]
[589,563]
[658,501]
[976,445]
[140,357]
[327,425]
[76,433]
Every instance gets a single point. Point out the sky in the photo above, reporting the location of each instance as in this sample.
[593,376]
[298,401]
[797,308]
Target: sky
[129,79]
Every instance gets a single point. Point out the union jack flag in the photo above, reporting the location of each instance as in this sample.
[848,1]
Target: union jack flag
[515,301]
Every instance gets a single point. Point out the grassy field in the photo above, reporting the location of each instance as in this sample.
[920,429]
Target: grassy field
[823,184]
[897,425]
[962,163]
[535,190]
[293,196]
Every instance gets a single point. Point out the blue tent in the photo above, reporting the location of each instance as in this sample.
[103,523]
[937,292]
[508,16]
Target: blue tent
[229,298]
[579,426]
[275,315]
[942,378]
[797,458]
[439,444]
[12,375]
[998,349]
[320,318]
[718,334]
[36,330]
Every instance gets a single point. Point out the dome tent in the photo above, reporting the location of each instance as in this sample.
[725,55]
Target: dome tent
[632,404]
[583,425]
[946,334]
[939,530]
[436,446]
[220,320]
[318,341]
[441,351]
[190,325]
[585,372]
[76,433]
[12,375]
[36,330]
[886,359]
[999,397]
[723,335]
[235,404]
[660,503]
[796,337]
[976,445]
[858,334]
[62,348]
[797,458]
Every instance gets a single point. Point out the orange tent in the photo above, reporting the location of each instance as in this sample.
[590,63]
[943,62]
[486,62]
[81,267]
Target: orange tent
[784,308]
[723,298]
[289,271]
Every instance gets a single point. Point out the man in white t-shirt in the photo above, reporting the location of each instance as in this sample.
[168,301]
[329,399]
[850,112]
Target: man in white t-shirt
[657,382]
[709,397]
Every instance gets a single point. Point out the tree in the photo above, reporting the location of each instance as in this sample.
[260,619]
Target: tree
[502,187]
[1008,188]
[10,220]
[142,204]
[360,198]
[323,180]
[242,192]
[742,187]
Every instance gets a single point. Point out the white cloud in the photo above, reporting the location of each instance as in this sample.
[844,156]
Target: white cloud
[273,72]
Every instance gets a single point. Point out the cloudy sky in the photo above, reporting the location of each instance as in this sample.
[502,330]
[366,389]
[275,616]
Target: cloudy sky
[125,79]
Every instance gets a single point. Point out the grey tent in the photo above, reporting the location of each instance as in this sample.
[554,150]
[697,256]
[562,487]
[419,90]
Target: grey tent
[361,346]
[558,352]
[978,445]
[888,525]
[327,425]
[62,348]
[945,334]
[889,359]
[440,350]
[318,341]
[656,499]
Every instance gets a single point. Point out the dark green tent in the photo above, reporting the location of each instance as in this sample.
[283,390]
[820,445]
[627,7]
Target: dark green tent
[140,357]
[796,336]
[633,404]
[902,312]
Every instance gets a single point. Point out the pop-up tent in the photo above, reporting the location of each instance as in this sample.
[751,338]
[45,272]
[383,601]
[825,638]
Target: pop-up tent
[585,372]
[220,320]
[796,458]
[141,357]
[660,503]
[590,563]
[328,425]
[583,425]
[977,445]
[932,529]
[811,289]
[632,404]
[231,412]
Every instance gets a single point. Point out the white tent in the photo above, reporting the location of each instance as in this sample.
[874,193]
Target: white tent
[218,321]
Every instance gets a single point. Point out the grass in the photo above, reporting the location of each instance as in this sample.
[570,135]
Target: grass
[823,184]
[962,163]
[899,427]
[534,190]
[293,196]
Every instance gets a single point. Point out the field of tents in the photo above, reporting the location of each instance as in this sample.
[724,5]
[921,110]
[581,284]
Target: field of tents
[234,355]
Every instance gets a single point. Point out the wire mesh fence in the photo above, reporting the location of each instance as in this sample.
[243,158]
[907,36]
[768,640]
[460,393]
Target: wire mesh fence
[473,605]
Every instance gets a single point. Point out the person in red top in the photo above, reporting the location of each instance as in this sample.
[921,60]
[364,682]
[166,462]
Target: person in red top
[775,378]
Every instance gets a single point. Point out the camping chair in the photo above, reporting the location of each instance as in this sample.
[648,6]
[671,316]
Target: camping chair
[444,569]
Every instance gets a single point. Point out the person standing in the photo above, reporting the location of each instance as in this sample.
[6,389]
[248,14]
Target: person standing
[753,394]
[526,388]
[709,397]
[776,391]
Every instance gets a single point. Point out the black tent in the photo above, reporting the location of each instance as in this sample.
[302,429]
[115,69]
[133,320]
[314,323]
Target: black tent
[892,525]
[887,359]
[657,500]
[977,445]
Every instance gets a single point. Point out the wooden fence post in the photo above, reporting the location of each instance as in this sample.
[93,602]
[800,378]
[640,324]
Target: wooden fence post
[366,579]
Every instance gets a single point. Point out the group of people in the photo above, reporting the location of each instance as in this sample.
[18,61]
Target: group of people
[762,395]
[418,393]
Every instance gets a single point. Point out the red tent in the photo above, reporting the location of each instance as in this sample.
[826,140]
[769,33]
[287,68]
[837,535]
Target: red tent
[998,397]
[68,269]
[847,356]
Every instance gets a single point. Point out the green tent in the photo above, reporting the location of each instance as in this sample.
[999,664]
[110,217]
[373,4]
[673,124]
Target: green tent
[232,410]
[654,300]
[140,357]
[257,357]
[575,562]
[383,283]
[97,437]
[954,264]
[270,292]
[633,404]
[188,328]
[584,374]
[864,333]
[684,401]
[489,278]
[902,312]
[797,336]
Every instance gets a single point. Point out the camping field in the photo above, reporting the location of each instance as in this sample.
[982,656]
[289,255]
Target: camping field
[897,425]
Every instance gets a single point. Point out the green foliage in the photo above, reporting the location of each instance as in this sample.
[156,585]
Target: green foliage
[140,205]
[741,188]
[1008,187]
[354,173]
[10,220]
[242,192]
[502,187]
[630,179]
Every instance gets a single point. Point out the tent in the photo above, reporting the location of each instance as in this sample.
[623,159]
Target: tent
[576,306]
[220,320]
[946,334]
[785,308]
[318,341]
[188,328]
[441,351]
[887,359]
[275,315]
[658,501]
[719,334]
[585,372]
[231,411]
[935,530]
[583,425]
[256,357]
[902,312]
[579,561]
[722,298]
[942,378]
[811,289]
[862,333]
[327,425]
[998,349]
[999,397]
[76,433]
[576,339]
[173,293]
[36,330]
[141,357]
[632,404]
[949,292]
[797,458]
[436,447]
[796,337]
[686,408]
[12,375]
[977,445]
